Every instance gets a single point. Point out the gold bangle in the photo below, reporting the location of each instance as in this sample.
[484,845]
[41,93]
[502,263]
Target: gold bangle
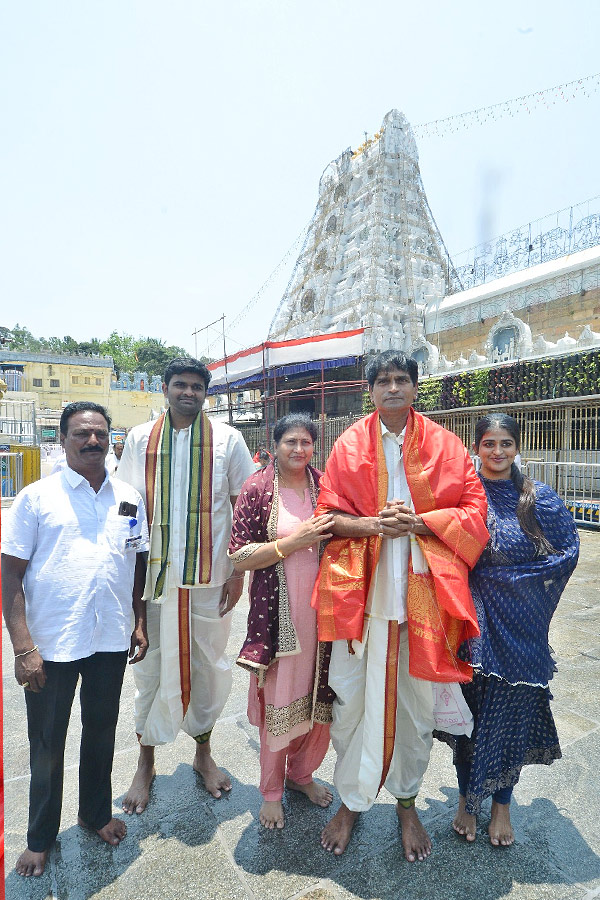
[278,551]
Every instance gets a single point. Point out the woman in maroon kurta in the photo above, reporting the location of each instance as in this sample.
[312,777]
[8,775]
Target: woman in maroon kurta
[276,536]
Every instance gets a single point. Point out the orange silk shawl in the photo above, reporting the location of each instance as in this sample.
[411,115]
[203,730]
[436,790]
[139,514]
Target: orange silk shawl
[449,497]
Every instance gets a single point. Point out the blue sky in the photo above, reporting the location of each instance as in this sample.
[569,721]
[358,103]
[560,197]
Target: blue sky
[161,158]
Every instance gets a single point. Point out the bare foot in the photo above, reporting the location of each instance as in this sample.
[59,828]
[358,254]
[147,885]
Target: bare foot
[337,832]
[31,863]
[204,765]
[113,832]
[500,829]
[464,823]
[138,795]
[316,793]
[415,840]
[271,814]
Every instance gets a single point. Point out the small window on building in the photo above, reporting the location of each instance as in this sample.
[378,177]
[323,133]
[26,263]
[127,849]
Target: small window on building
[37,382]
[74,379]
[86,380]
[54,382]
[98,381]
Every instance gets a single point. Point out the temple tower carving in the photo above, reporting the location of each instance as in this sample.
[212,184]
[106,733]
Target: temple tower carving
[373,255]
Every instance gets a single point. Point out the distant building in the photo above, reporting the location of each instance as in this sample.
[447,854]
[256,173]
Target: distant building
[51,380]
[55,377]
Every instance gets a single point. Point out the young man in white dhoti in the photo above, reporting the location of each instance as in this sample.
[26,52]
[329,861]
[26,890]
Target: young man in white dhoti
[189,470]
[392,594]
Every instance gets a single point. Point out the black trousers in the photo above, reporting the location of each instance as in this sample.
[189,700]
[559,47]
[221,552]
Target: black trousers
[48,714]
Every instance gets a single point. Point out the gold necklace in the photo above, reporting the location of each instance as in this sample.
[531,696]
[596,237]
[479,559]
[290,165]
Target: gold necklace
[291,486]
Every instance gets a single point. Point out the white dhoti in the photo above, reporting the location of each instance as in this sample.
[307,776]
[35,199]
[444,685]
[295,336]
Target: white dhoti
[160,695]
[359,720]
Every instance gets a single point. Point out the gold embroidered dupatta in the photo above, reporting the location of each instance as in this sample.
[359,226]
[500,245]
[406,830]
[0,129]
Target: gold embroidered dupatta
[449,497]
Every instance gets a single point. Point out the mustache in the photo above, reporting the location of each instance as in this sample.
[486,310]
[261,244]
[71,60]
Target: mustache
[92,450]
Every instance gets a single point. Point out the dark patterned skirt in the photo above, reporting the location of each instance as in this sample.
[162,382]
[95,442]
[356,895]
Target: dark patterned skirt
[513,728]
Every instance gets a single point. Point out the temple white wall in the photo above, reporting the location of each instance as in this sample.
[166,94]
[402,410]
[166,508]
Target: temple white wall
[545,310]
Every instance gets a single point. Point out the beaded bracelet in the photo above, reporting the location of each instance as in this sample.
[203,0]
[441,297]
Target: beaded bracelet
[278,551]
[17,655]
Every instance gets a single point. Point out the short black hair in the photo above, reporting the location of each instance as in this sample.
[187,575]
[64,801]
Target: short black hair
[294,420]
[182,364]
[391,359]
[81,406]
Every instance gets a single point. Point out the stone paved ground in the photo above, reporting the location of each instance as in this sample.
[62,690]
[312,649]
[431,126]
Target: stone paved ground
[189,845]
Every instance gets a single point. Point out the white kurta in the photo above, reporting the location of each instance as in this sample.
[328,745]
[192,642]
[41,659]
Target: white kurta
[387,596]
[158,705]
[359,680]
[79,579]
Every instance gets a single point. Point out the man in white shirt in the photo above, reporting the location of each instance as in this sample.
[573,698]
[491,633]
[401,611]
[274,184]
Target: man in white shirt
[118,451]
[189,471]
[73,567]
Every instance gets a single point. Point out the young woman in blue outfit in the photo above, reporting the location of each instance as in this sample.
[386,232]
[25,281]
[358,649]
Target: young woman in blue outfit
[516,586]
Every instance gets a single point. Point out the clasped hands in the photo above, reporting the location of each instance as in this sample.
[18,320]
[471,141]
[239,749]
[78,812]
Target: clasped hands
[397,520]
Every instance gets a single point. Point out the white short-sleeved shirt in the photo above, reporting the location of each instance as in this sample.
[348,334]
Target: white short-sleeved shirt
[232,464]
[79,580]
[387,597]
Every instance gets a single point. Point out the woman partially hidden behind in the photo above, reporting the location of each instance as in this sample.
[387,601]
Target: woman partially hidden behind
[516,586]
[276,536]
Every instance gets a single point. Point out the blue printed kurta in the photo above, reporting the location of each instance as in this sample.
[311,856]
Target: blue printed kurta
[515,595]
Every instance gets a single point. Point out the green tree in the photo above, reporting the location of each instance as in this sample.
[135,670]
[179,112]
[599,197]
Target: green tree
[129,354]
[122,349]
[153,356]
[53,345]
[90,347]
[22,339]
[69,344]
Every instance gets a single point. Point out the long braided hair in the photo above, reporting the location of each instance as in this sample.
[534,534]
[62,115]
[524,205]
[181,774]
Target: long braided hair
[523,483]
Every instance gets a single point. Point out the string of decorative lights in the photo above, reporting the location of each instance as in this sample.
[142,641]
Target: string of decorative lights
[527,103]
[254,300]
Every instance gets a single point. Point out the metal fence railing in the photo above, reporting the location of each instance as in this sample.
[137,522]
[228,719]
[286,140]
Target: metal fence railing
[11,474]
[577,483]
[17,422]
[566,231]
[560,441]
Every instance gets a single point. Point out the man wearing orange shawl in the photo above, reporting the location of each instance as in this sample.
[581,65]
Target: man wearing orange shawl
[393,595]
